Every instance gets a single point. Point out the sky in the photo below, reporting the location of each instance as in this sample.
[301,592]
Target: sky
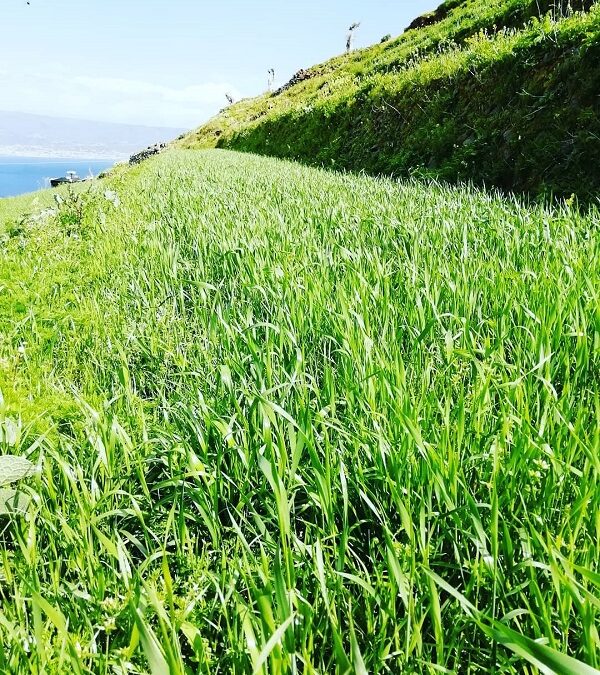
[171,62]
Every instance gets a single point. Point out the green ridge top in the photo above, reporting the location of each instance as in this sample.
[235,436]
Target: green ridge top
[502,92]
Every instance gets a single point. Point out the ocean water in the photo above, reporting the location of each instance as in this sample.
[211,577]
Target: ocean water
[26,174]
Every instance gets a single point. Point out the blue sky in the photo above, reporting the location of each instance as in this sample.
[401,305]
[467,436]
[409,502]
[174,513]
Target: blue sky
[170,62]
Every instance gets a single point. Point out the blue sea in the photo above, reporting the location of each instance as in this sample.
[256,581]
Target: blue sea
[26,174]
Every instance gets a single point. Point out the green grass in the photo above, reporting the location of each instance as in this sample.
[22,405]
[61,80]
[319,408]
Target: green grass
[288,420]
[499,92]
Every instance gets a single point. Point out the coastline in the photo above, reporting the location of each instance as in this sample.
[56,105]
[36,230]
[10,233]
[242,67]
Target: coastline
[21,174]
[35,152]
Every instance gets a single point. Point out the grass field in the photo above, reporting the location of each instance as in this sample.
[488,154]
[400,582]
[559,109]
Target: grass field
[287,420]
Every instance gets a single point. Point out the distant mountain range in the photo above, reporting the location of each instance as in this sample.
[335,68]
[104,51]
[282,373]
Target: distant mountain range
[26,135]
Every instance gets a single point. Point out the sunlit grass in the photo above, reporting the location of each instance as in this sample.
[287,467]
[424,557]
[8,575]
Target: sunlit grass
[291,421]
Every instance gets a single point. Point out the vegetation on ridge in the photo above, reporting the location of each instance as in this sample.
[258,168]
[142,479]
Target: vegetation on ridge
[502,92]
[292,421]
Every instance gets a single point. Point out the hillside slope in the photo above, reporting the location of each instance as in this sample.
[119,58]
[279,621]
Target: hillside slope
[284,418]
[502,92]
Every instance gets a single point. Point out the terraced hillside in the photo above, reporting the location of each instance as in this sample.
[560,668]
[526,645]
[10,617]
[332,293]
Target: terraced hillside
[501,92]
[285,420]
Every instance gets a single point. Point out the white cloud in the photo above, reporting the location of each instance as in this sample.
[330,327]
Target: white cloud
[58,92]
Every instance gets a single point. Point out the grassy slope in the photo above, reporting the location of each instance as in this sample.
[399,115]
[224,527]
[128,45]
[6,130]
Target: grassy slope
[485,94]
[308,393]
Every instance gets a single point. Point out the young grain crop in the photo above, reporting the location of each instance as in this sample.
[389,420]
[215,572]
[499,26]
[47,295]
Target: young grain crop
[291,421]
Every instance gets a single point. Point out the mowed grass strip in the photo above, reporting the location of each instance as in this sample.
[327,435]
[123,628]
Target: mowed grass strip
[293,421]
